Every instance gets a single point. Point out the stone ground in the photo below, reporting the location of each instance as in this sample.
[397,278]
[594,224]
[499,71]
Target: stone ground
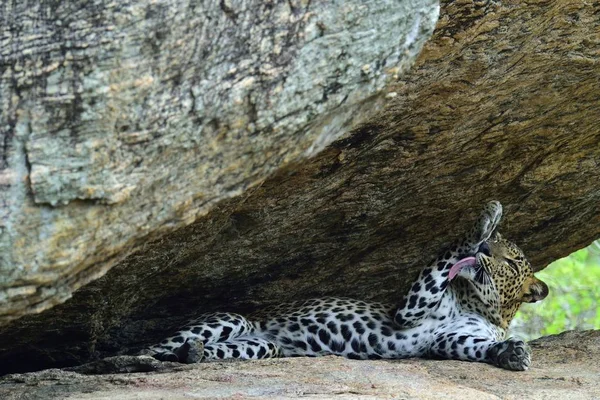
[564,367]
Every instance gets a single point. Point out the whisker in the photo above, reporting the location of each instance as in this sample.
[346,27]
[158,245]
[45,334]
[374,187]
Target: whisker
[481,276]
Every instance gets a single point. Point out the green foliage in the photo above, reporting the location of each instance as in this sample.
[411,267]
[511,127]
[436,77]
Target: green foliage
[573,301]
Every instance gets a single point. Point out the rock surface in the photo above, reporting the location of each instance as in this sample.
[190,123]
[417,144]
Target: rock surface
[121,121]
[502,104]
[564,367]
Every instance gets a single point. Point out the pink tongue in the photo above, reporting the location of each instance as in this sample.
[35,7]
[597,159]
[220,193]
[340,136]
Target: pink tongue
[465,262]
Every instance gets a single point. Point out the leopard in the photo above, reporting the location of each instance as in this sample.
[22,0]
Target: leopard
[459,308]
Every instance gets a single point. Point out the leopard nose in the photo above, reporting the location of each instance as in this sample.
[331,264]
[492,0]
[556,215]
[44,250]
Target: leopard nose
[485,249]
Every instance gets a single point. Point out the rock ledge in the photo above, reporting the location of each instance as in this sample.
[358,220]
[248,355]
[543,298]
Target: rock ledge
[565,366]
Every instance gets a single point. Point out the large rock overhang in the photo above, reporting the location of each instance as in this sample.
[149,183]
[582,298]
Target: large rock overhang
[502,104]
[121,122]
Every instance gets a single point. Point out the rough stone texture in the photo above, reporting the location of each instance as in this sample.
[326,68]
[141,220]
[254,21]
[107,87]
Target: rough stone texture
[503,104]
[121,121]
[564,367]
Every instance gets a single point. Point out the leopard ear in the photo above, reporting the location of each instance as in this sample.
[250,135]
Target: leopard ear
[496,236]
[536,290]
[539,290]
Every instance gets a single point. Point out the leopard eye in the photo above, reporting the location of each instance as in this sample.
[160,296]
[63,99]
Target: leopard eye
[512,264]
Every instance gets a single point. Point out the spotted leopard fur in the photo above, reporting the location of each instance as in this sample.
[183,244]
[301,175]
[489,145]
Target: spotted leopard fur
[462,319]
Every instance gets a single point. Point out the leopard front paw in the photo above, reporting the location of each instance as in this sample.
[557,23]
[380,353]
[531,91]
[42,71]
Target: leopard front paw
[486,224]
[512,354]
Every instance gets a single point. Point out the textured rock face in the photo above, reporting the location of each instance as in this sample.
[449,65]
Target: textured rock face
[121,121]
[502,104]
[564,366]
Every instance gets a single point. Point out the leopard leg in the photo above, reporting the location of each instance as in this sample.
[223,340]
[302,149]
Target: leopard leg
[187,345]
[472,339]
[511,354]
[243,348]
[426,292]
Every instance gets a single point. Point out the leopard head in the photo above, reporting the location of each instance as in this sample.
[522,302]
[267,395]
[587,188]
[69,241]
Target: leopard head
[512,275]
